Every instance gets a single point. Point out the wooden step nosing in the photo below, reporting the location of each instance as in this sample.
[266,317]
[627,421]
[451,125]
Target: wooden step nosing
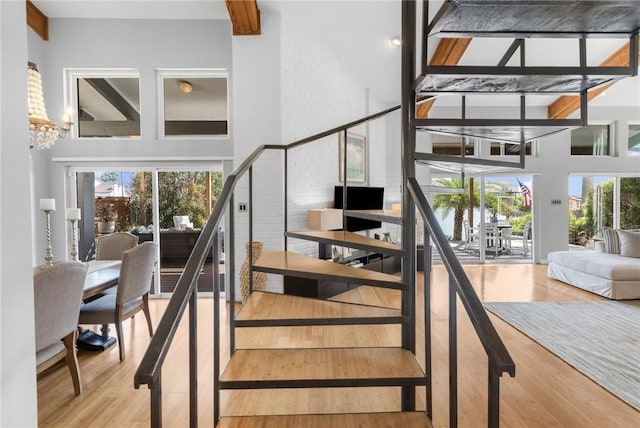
[397,285]
[324,383]
[290,322]
[360,246]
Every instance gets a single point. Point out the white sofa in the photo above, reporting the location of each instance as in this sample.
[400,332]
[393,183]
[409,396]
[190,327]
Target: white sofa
[614,276]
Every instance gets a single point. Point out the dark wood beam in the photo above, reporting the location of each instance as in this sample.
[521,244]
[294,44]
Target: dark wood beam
[448,52]
[565,105]
[245,17]
[38,21]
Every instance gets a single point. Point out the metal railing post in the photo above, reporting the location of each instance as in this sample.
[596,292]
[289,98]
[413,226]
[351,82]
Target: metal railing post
[493,412]
[230,270]
[453,354]
[286,196]
[250,254]
[216,329]
[408,36]
[427,260]
[193,358]
[156,402]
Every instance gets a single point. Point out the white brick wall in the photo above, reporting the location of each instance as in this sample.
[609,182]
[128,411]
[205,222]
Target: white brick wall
[287,86]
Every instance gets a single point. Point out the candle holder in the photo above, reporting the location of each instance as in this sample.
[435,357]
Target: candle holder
[48,254]
[73,215]
[48,205]
[74,240]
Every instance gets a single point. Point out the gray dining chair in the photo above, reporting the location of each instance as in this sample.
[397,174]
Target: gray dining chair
[132,293]
[111,247]
[57,293]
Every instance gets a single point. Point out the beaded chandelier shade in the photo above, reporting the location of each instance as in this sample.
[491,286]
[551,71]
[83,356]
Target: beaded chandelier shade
[43,132]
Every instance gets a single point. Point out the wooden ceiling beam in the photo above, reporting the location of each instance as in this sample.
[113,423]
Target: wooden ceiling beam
[565,105]
[38,21]
[245,17]
[448,52]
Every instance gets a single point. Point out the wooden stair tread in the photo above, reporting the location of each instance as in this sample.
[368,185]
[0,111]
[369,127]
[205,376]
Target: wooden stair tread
[347,239]
[387,216]
[326,364]
[369,420]
[262,305]
[292,264]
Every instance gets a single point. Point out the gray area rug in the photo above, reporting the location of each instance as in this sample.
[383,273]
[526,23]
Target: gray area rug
[599,339]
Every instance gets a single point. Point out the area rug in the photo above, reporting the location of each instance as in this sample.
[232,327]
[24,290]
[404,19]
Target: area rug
[599,339]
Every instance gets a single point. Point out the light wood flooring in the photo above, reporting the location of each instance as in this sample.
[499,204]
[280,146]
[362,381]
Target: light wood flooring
[546,391]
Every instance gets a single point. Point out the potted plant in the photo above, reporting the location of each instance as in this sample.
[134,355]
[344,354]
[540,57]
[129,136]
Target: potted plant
[106,224]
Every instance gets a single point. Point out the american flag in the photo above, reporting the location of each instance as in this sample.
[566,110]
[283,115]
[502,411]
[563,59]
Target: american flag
[526,193]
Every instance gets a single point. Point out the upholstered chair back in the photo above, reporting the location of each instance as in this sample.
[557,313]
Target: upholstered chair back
[57,296]
[111,247]
[136,272]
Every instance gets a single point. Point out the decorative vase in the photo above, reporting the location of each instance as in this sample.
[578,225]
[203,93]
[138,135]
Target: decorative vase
[106,226]
[259,278]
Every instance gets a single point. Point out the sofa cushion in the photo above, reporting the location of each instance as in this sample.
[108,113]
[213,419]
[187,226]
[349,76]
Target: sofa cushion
[611,241]
[629,243]
[603,265]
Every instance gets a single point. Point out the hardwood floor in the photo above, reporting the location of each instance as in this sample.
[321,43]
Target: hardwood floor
[546,391]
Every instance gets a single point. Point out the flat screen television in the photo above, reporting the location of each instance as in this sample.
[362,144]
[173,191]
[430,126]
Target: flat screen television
[360,198]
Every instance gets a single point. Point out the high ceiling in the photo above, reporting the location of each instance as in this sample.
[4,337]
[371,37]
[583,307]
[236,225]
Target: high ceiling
[358,32]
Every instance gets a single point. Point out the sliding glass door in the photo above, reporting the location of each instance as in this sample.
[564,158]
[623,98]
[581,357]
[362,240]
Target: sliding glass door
[487,218]
[168,207]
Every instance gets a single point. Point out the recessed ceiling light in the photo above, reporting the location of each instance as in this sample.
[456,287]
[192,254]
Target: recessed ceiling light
[396,41]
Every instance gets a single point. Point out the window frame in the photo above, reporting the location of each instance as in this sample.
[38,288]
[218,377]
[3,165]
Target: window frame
[189,73]
[70,89]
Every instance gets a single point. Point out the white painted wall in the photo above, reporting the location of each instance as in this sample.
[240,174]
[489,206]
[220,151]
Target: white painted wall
[144,45]
[18,404]
[321,93]
[257,110]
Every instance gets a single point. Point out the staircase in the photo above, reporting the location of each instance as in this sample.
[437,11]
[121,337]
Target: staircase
[366,365]
[262,364]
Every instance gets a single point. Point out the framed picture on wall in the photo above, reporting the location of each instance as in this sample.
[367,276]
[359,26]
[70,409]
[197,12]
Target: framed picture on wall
[356,158]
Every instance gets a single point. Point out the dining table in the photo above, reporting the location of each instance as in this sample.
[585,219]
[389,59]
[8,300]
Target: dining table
[101,276]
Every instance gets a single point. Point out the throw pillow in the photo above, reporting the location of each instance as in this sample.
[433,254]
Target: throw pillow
[611,241]
[629,243]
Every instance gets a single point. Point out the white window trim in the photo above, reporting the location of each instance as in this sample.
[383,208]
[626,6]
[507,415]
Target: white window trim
[162,73]
[70,88]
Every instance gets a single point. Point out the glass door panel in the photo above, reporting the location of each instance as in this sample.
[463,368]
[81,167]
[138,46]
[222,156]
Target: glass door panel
[185,199]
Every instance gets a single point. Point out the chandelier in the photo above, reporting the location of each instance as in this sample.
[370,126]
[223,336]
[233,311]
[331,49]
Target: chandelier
[43,132]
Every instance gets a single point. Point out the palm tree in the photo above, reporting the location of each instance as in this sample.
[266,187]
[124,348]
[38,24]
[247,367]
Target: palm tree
[458,202]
